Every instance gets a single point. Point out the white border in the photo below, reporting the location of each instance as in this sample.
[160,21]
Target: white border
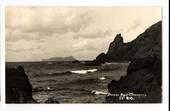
[86,2]
[89,107]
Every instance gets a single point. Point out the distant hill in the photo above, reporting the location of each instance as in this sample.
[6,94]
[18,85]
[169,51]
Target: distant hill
[69,58]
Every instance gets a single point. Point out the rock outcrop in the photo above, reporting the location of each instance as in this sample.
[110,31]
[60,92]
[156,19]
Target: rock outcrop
[100,59]
[18,87]
[146,44]
[143,82]
[144,76]
[76,62]
[149,43]
[117,49]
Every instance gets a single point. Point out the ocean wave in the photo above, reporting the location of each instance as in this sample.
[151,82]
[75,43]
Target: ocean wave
[47,88]
[102,78]
[84,81]
[73,72]
[60,73]
[84,71]
[60,89]
[99,92]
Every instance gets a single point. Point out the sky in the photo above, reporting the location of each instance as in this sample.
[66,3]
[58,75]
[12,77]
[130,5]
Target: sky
[34,33]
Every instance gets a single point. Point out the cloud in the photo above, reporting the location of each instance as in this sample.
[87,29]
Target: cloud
[16,35]
[84,45]
[25,46]
[47,20]
[35,33]
[92,45]
[134,26]
[24,50]
[94,34]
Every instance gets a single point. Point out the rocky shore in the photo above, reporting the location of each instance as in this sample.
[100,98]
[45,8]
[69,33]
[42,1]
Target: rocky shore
[18,87]
[143,77]
[143,82]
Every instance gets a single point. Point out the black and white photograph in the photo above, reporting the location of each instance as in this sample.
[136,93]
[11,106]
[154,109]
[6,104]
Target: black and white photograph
[83,54]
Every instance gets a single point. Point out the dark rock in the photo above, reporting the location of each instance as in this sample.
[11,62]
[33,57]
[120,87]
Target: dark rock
[18,87]
[146,44]
[138,64]
[117,48]
[76,62]
[144,76]
[92,63]
[51,100]
[101,58]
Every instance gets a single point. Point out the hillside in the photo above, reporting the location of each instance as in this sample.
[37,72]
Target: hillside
[146,44]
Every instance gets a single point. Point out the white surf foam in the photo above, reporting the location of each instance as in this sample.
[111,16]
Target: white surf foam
[102,78]
[84,71]
[99,92]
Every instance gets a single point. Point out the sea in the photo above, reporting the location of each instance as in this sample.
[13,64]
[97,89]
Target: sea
[68,82]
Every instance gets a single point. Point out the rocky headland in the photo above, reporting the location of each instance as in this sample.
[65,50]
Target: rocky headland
[143,82]
[147,44]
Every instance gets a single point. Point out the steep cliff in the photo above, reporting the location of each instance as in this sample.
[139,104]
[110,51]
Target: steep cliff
[143,82]
[149,43]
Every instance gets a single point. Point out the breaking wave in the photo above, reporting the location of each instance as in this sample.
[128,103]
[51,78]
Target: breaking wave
[83,71]
[74,72]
